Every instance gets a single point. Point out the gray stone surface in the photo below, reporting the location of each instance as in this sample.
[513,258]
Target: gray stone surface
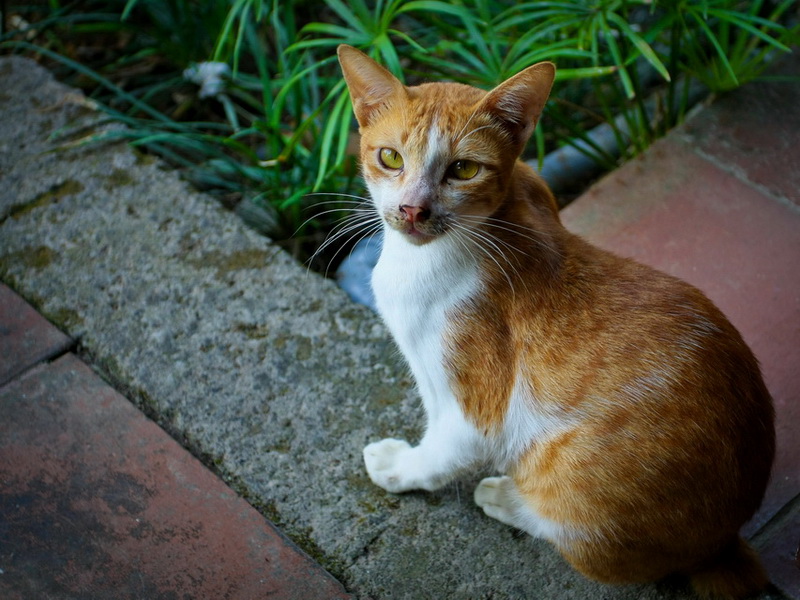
[268,373]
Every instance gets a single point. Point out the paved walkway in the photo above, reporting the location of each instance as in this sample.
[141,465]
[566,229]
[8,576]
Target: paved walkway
[97,501]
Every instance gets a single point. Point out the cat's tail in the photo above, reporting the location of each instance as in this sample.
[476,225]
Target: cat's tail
[735,573]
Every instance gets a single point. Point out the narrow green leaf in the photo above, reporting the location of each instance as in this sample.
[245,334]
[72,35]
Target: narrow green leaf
[742,24]
[585,72]
[295,198]
[326,146]
[126,12]
[714,42]
[409,40]
[347,15]
[328,29]
[643,47]
[227,27]
[389,55]
[613,47]
[434,6]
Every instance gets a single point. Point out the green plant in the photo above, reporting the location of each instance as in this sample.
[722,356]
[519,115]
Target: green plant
[258,139]
[721,43]
[277,132]
[739,42]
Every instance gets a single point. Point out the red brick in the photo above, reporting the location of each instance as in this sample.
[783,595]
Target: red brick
[26,338]
[98,502]
[755,132]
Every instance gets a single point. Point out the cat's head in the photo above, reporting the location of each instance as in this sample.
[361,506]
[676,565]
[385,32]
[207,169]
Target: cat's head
[439,156]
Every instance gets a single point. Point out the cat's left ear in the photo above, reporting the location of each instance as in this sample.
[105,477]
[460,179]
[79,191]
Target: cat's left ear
[372,87]
[518,101]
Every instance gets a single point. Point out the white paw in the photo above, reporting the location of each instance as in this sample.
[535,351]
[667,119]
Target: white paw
[496,496]
[385,464]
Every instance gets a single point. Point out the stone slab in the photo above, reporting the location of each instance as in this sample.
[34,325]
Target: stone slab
[98,502]
[40,137]
[26,338]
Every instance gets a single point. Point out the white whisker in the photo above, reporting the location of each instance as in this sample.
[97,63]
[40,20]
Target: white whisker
[358,229]
[464,128]
[357,223]
[365,211]
[478,239]
[490,236]
[525,233]
[340,195]
[344,227]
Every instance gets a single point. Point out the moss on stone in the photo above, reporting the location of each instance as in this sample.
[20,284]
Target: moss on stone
[118,178]
[143,159]
[304,349]
[66,319]
[54,194]
[253,331]
[37,258]
[235,261]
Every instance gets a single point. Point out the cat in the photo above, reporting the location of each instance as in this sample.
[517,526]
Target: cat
[628,418]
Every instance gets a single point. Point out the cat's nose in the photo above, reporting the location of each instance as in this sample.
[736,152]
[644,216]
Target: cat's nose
[414,214]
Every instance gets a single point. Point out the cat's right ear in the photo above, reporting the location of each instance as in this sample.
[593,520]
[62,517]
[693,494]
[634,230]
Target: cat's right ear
[518,102]
[371,86]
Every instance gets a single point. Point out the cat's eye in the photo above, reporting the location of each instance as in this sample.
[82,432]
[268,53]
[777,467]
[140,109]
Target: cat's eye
[463,169]
[390,158]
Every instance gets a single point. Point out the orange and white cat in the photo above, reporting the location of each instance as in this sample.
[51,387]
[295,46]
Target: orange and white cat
[627,416]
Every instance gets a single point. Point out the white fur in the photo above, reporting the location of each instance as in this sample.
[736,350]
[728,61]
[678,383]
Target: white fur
[524,422]
[415,287]
[437,148]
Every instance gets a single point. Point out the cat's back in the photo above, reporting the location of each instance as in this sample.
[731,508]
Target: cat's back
[612,328]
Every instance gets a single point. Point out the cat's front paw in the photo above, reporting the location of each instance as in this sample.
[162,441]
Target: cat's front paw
[386,461]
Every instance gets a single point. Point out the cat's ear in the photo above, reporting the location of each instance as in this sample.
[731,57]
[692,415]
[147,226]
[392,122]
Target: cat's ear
[518,101]
[371,85]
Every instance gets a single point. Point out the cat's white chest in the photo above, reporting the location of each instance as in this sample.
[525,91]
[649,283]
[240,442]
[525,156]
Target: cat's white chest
[416,290]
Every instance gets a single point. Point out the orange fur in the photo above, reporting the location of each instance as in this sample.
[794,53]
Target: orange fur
[676,438]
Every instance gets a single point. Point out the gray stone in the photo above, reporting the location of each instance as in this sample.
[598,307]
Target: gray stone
[268,373]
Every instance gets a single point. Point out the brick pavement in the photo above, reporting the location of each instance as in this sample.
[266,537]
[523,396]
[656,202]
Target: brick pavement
[96,501]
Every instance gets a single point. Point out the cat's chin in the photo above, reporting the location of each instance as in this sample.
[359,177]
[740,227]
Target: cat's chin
[412,234]
[416,237]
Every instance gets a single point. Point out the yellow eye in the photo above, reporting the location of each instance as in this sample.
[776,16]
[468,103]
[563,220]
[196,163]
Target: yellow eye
[390,158]
[463,169]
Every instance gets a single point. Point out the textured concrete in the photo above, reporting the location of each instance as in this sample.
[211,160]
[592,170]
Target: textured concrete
[779,546]
[267,373]
[98,502]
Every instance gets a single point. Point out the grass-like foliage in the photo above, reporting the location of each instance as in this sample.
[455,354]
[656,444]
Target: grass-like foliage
[278,129]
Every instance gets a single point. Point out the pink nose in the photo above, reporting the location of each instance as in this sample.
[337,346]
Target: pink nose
[414,214]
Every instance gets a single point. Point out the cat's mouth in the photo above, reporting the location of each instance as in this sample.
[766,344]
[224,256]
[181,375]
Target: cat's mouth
[416,231]
[416,236]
